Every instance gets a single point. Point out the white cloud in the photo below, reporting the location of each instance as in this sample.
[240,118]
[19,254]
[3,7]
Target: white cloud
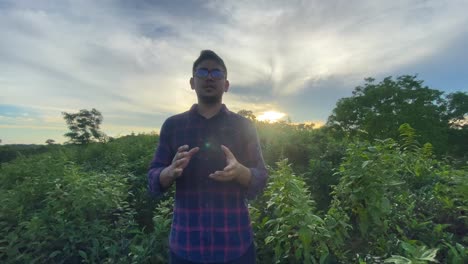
[82,54]
[313,40]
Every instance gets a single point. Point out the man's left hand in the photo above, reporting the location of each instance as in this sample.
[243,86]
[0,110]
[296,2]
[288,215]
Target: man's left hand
[233,170]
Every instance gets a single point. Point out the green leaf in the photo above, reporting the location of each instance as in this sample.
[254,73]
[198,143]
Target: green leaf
[323,258]
[395,183]
[83,254]
[269,239]
[385,205]
[429,255]
[365,163]
[398,260]
[372,149]
[408,247]
[55,253]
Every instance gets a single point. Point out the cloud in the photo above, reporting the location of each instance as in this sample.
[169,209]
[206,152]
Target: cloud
[304,40]
[133,58]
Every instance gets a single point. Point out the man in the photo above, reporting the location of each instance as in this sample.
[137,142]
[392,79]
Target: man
[214,157]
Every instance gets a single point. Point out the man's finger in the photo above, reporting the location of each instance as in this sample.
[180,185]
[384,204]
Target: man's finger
[193,151]
[215,174]
[179,155]
[221,176]
[179,150]
[187,156]
[177,172]
[229,167]
[179,162]
[182,148]
[227,152]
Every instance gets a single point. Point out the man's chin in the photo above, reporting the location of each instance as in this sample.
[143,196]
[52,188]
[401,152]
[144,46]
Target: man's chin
[209,99]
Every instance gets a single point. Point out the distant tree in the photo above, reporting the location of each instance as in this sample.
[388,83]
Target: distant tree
[305,126]
[50,142]
[379,109]
[458,120]
[458,110]
[84,126]
[247,114]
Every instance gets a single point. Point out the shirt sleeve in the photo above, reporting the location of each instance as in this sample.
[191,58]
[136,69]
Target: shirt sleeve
[256,164]
[162,158]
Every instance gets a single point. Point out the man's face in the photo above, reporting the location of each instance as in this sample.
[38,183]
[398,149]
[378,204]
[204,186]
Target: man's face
[209,90]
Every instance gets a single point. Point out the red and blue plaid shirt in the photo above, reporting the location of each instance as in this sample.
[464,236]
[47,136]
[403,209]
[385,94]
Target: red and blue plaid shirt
[211,221]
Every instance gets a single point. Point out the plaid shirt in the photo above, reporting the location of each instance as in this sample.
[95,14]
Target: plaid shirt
[211,221]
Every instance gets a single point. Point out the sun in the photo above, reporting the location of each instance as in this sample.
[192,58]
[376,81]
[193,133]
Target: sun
[271,116]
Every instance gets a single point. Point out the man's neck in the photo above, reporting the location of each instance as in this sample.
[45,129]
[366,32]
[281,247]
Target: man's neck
[208,110]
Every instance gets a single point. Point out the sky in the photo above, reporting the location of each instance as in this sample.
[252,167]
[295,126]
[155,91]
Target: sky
[132,60]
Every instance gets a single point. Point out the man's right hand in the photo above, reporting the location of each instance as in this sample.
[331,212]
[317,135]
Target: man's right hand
[180,161]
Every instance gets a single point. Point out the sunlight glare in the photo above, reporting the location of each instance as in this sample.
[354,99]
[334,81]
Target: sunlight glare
[271,116]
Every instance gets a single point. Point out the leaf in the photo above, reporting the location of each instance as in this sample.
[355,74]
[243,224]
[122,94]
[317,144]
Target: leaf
[305,235]
[365,163]
[398,260]
[298,253]
[323,258]
[55,253]
[385,205]
[395,183]
[429,255]
[269,239]
[372,149]
[82,254]
[459,247]
[408,247]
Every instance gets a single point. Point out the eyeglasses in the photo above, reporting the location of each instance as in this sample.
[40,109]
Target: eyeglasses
[215,74]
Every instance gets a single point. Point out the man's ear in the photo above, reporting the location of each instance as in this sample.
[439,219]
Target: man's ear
[226,86]
[192,84]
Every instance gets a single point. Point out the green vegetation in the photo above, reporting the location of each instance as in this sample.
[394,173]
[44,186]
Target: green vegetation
[377,110]
[337,194]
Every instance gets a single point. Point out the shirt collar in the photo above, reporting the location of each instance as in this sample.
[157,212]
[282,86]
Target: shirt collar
[223,111]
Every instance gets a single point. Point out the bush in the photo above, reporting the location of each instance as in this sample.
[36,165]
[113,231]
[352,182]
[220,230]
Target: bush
[56,213]
[286,228]
[393,192]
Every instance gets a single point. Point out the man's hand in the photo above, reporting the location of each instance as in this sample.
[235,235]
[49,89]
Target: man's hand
[233,170]
[180,161]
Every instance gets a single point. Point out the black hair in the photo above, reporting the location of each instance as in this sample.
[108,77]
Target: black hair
[209,55]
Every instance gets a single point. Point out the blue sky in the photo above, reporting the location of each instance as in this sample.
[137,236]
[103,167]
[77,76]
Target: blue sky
[132,59]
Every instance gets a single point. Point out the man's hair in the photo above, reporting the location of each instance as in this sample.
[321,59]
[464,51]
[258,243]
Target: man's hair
[209,55]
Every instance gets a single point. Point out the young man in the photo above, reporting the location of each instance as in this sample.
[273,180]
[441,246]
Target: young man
[214,157]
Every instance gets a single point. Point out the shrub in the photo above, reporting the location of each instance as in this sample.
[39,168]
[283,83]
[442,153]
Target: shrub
[286,228]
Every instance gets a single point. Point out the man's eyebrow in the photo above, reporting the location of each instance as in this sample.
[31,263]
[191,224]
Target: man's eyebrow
[210,70]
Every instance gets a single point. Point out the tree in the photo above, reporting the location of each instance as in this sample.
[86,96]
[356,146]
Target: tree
[458,110]
[50,142]
[247,114]
[458,120]
[84,126]
[379,109]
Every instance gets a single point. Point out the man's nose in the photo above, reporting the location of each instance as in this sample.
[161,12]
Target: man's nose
[209,77]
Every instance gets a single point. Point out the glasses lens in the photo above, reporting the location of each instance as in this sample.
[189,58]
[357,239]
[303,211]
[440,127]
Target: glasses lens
[201,73]
[217,74]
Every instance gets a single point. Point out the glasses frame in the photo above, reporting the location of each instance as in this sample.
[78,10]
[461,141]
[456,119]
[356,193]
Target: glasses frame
[209,74]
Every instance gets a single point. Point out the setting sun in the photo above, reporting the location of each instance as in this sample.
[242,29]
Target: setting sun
[270,116]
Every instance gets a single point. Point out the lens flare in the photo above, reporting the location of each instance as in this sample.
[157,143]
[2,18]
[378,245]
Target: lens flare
[271,116]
